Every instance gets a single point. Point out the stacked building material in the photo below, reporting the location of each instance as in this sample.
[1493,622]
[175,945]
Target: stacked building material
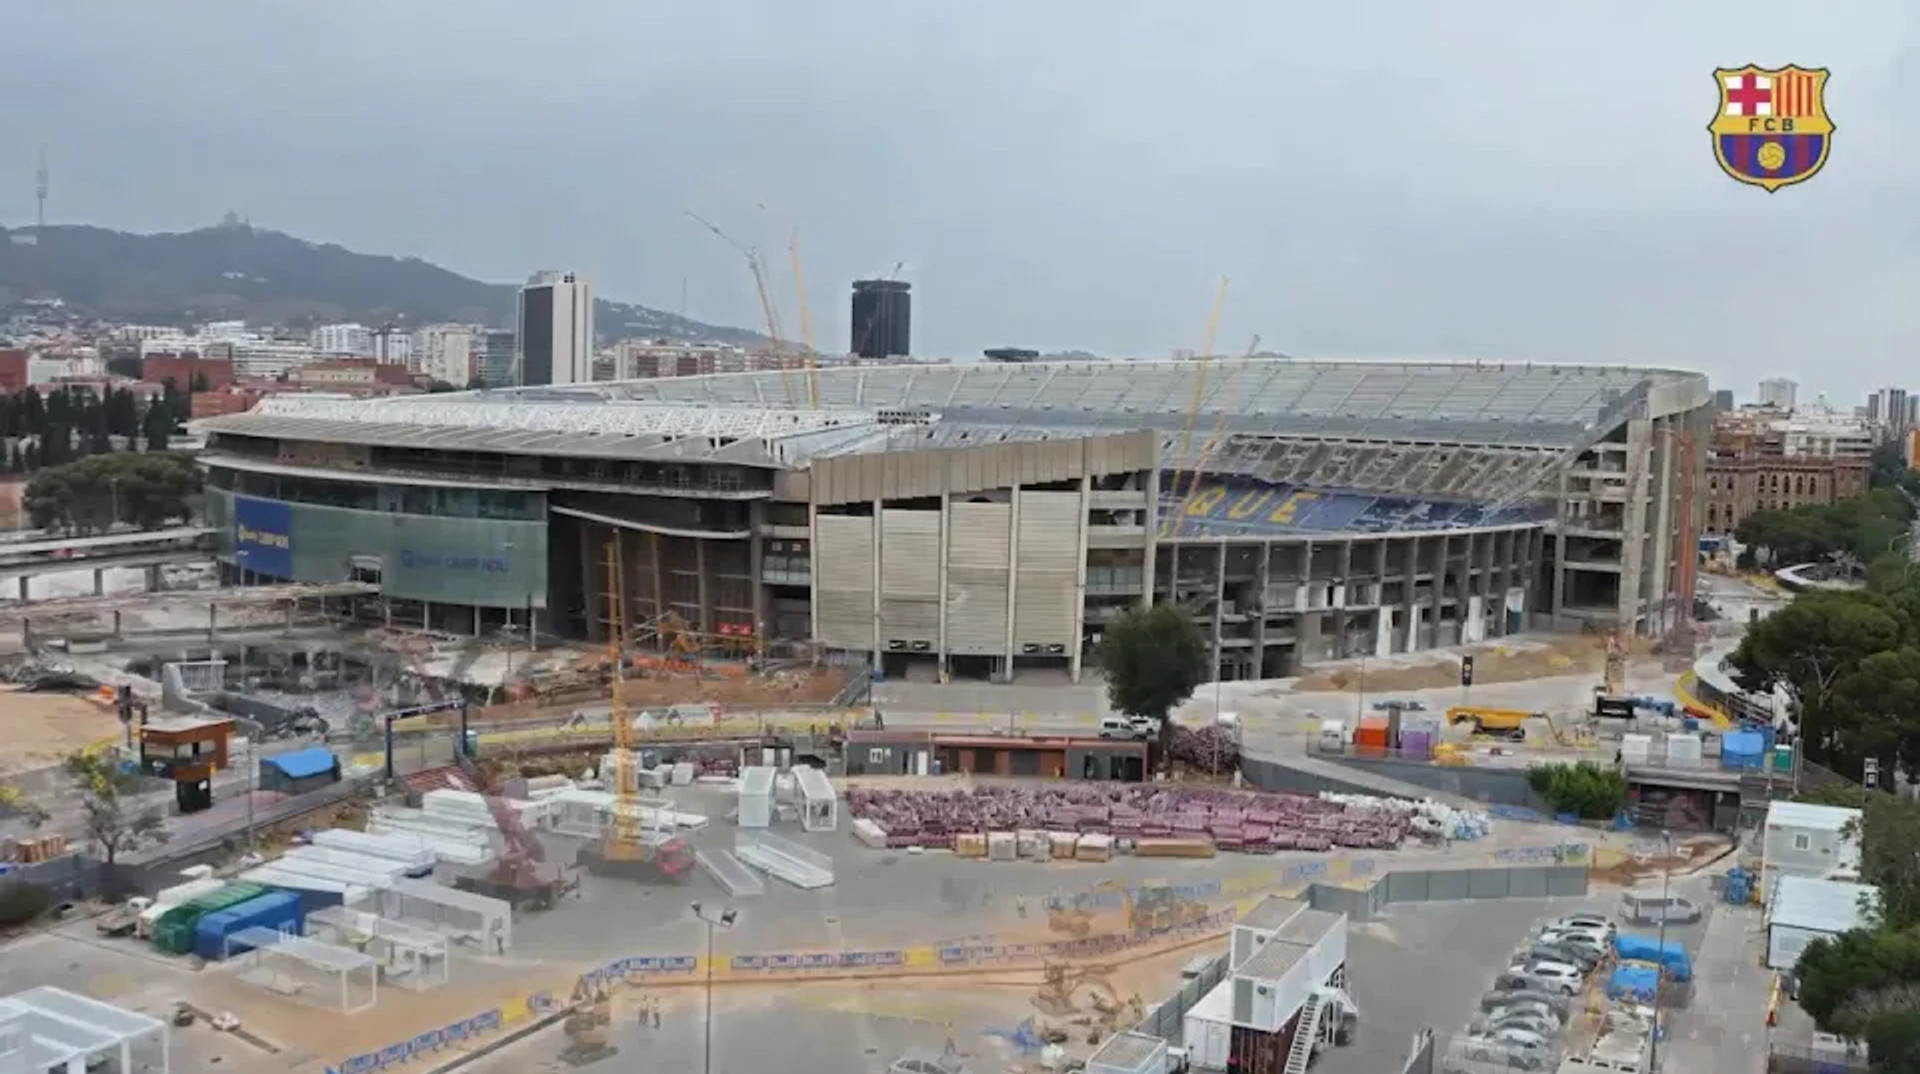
[1229,820]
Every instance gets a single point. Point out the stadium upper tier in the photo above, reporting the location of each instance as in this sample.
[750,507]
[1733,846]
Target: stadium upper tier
[1481,429]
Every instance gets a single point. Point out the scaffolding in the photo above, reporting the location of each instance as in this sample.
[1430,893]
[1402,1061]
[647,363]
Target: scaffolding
[307,970]
[407,957]
[460,916]
[819,805]
[47,1030]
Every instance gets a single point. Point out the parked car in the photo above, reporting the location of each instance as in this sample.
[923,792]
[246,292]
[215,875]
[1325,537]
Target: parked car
[1580,959]
[1555,1010]
[1531,1021]
[1583,944]
[1516,1047]
[1522,999]
[1584,923]
[1125,727]
[1653,908]
[1560,977]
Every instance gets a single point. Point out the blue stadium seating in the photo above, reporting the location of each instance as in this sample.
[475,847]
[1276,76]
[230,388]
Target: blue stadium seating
[1228,508]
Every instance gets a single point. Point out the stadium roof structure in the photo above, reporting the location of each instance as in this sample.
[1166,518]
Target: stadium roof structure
[1485,429]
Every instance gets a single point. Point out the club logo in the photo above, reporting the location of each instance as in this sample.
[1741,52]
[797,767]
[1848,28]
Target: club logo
[1771,129]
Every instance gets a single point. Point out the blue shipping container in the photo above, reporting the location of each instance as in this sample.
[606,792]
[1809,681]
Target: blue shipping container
[276,910]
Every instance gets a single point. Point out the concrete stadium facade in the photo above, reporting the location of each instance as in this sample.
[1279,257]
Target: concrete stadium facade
[981,519]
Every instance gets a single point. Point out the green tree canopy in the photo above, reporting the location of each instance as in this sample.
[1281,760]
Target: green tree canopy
[114,821]
[148,490]
[1153,658]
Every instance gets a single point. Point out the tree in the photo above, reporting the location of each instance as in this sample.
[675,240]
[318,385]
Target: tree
[477,384]
[33,412]
[149,490]
[1153,658]
[1810,645]
[113,822]
[1876,711]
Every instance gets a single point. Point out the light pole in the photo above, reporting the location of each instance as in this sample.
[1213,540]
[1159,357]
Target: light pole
[1666,881]
[723,919]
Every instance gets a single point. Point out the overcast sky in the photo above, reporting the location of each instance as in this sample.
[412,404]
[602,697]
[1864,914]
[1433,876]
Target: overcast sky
[1482,178]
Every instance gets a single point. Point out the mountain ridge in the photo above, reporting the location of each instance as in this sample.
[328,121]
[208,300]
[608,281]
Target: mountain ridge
[235,271]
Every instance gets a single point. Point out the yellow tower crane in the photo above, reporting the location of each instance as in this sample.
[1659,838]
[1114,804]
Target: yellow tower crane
[1204,359]
[806,324]
[768,311]
[1212,445]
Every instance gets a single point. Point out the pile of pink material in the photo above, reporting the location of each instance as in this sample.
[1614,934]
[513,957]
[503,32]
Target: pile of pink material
[1232,820]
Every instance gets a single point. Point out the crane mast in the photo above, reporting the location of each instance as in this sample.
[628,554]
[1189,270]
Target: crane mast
[1205,358]
[806,324]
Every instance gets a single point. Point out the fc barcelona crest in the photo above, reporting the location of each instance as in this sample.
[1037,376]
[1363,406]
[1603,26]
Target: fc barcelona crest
[1771,129]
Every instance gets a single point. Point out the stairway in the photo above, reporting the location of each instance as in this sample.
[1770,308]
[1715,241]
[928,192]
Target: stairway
[1306,1035]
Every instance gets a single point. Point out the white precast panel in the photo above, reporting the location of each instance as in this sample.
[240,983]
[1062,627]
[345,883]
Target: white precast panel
[1207,1029]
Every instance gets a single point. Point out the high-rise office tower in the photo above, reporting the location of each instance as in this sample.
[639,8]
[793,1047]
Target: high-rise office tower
[882,319]
[1779,393]
[556,329]
[500,359]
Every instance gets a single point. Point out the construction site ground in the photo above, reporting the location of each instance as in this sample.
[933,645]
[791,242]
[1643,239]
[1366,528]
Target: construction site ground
[881,900]
[39,729]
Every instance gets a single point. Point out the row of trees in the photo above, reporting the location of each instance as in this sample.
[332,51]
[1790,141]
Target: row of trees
[68,424]
[148,490]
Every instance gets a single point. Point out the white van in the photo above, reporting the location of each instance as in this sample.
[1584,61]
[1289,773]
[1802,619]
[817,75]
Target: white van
[1126,727]
[1652,908]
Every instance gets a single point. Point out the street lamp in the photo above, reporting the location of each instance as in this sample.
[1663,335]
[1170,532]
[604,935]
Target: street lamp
[723,919]
[1666,881]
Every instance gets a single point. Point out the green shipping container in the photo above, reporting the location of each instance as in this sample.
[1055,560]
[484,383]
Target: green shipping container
[1783,759]
[173,933]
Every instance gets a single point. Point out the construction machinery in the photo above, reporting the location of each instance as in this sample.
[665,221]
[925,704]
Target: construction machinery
[806,324]
[1156,907]
[589,1025]
[767,309]
[1186,462]
[1500,723]
[630,846]
[520,877]
[1059,982]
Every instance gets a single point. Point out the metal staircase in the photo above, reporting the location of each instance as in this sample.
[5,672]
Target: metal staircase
[1307,1036]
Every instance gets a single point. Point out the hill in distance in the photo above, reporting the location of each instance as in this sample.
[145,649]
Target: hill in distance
[239,272]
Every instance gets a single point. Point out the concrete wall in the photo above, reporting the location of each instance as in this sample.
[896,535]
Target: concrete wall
[1495,786]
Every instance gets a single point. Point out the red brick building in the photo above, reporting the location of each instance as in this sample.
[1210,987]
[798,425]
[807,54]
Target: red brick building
[13,371]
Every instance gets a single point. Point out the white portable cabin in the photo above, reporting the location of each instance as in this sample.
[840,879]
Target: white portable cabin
[1129,1053]
[345,891]
[819,804]
[1800,839]
[409,851]
[168,898]
[587,814]
[1273,986]
[756,796]
[1804,910]
[470,806]
[461,916]
[1206,1031]
[1258,925]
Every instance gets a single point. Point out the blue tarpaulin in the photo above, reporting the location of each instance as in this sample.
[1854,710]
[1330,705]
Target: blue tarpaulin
[300,764]
[1672,956]
[1636,982]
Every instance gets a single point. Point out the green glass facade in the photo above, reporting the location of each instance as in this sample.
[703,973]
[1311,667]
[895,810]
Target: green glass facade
[458,549]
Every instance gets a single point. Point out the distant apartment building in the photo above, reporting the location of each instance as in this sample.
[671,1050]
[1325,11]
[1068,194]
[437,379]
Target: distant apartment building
[1779,393]
[1722,399]
[13,371]
[134,333]
[638,359]
[348,339]
[499,359]
[1891,411]
[356,375]
[187,369]
[1763,460]
[391,346]
[556,329]
[444,352]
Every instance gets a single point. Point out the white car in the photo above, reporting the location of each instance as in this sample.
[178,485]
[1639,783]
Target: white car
[1588,943]
[1584,923]
[1562,977]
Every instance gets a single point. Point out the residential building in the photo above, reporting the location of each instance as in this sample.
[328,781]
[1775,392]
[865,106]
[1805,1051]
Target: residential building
[257,357]
[391,346]
[444,352]
[13,371]
[637,359]
[1722,397]
[1890,410]
[556,329]
[134,333]
[499,359]
[1778,393]
[1763,459]
[351,339]
[187,369]
[354,375]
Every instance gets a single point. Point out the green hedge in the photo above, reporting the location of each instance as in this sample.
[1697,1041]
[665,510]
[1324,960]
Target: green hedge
[22,902]
[1585,789]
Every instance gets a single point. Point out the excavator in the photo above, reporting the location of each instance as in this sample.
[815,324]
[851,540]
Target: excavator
[588,1026]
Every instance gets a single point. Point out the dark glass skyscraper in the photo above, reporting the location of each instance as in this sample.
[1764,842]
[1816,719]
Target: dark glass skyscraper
[882,319]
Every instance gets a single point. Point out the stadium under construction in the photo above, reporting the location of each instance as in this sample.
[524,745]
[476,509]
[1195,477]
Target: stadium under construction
[982,519]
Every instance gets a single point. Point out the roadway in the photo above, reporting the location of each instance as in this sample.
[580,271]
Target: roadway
[249,595]
[77,547]
[129,560]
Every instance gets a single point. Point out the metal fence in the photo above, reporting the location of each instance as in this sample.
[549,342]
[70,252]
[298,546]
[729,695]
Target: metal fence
[1363,900]
[1420,1055]
[1164,1020]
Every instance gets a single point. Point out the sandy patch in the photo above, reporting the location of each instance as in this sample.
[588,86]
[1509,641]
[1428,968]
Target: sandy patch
[41,729]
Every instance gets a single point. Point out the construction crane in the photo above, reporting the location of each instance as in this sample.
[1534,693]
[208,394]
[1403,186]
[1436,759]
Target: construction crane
[627,847]
[806,324]
[1205,359]
[1214,439]
[768,310]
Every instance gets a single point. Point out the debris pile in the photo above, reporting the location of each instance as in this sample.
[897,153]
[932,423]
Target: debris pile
[1427,819]
[1211,749]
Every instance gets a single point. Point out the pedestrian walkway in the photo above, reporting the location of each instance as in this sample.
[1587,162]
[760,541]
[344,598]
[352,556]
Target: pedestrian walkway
[1724,1030]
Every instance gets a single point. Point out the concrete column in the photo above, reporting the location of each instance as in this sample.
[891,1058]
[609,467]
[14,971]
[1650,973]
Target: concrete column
[1262,574]
[879,557]
[23,589]
[659,569]
[705,626]
[426,615]
[1013,572]
[1441,568]
[99,581]
[1078,634]
[1339,596]
[155,580]
[1639,462]
[116,624]
[756,568]
[946,523]
[1219,608]
[1151,544]
[291,606]
[212,625]
[813,576]
[1660,548]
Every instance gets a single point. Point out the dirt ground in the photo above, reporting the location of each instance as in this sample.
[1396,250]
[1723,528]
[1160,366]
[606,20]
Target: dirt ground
[1635,868]
[723,684]
[39,729]
[1491,664]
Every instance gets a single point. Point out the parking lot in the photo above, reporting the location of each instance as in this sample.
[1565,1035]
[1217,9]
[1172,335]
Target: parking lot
[1429,965]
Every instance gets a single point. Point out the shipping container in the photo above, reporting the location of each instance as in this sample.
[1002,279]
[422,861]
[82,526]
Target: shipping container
[276,910]
[315,892]
[1207,1030]
[173,933]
